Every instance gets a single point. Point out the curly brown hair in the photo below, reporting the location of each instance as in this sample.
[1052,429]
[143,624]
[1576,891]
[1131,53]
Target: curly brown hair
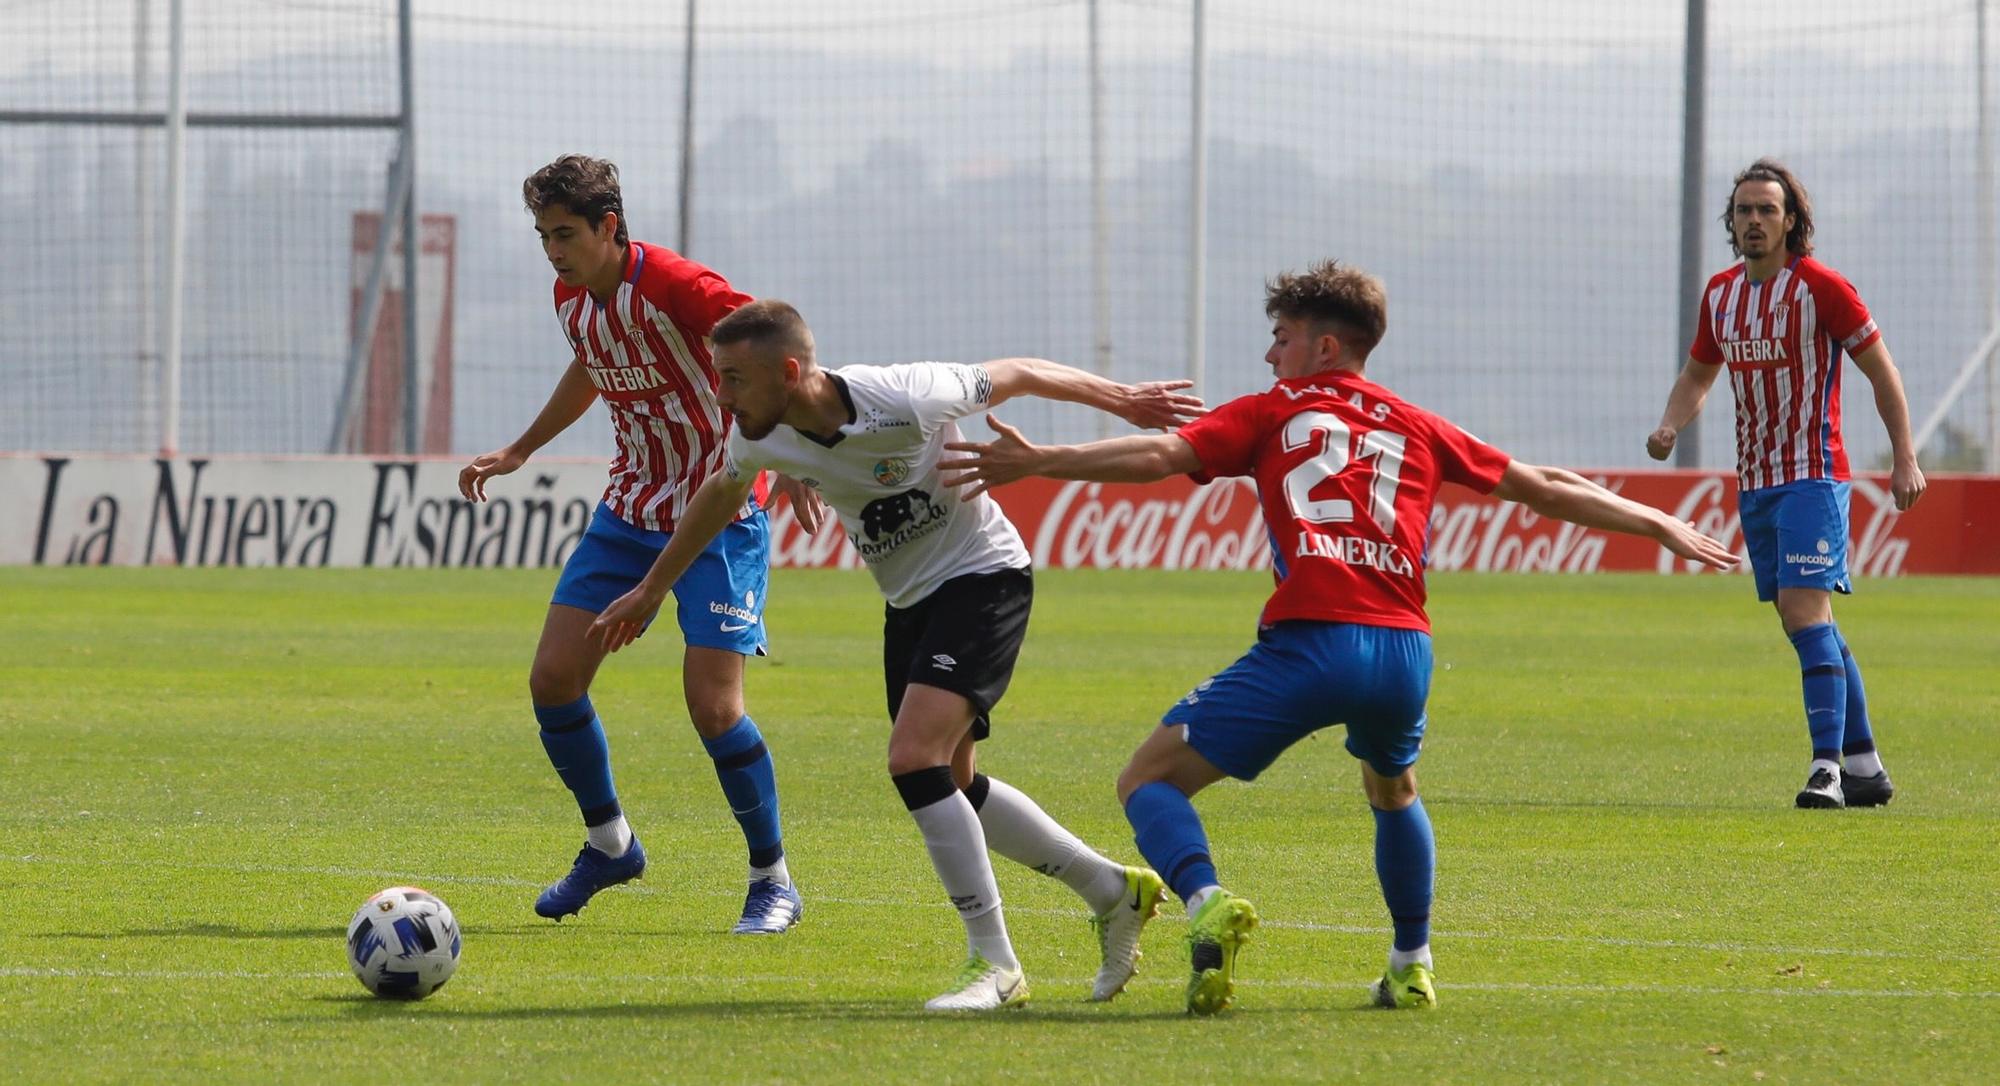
[580,184]
[1798,240]
[1340,296]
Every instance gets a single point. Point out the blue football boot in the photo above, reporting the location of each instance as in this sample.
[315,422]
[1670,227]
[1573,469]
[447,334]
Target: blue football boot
[769,909]
[593,871]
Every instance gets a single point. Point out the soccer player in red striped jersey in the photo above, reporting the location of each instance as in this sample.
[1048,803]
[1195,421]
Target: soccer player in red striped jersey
[1780,321]
[1347,474]
[637,317]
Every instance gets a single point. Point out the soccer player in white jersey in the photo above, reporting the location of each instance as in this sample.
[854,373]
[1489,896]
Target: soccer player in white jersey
[957,581]
[637,317]
[1780,320]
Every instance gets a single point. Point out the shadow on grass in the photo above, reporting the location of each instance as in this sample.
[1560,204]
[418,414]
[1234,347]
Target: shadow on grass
[207,931]
[548,929]
[336,932]
[1441,799]
[1038,1014]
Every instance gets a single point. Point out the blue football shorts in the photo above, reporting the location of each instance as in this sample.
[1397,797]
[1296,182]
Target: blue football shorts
[720,599]
[1797,536]
[1304,676]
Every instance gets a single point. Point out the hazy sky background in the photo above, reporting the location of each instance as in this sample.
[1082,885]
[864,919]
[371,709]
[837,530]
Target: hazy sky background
[912,174]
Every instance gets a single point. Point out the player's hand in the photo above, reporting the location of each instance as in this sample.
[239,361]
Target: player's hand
[1661,442]
[807,506]
[472,477]
[994,463]
[1906,483]
[1159,405]
[1684,539]
[621,623]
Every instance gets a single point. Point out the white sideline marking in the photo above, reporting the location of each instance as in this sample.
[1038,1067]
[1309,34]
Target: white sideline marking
[51,973]
[404,877]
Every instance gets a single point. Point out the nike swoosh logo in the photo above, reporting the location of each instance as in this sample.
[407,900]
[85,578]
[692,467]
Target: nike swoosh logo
[1007,993]
[732,627]
[1138,898]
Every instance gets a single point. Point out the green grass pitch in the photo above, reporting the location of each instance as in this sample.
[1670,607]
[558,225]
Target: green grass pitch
[205,772]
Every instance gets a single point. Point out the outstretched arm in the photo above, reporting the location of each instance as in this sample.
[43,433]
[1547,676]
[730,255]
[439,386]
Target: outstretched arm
[1140,458]
[1565,495]
[711,510]
[1684,402]
[572,396]
[1906,479]
[1150,405]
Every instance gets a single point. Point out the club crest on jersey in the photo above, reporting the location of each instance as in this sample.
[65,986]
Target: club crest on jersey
[892,470]
[1780,312]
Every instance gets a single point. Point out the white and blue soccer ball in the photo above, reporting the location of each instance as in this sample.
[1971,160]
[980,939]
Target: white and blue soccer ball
[403,943]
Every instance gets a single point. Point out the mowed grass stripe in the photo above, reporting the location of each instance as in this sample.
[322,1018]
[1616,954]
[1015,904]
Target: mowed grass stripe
[435,880]
[202,772]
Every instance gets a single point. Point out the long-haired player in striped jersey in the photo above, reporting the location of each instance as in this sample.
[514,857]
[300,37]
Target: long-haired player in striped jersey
[1780,321]
[637,317]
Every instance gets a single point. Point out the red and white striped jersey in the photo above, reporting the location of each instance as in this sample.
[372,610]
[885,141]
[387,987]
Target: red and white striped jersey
[1782,340]
[647,353]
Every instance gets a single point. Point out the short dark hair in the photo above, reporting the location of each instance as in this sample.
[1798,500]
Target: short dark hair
[1352,301]
[766,322]
[580,184]
[1798,240]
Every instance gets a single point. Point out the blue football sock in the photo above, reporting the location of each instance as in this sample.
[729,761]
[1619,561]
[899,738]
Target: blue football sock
[743,765]
[1406,864]
[1170,836]
[1824,678]
[1857,737]
[574,738]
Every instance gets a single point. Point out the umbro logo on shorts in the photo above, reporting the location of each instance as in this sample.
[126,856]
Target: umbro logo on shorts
[943,662]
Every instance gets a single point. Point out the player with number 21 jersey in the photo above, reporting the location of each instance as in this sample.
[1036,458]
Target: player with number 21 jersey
[1346,474]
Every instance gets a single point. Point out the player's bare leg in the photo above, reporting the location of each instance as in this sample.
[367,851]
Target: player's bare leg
[566,657]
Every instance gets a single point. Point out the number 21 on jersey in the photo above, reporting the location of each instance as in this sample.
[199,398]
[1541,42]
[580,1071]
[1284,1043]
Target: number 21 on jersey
[1378,451]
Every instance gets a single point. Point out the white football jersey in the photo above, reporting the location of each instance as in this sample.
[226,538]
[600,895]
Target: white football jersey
[881,477]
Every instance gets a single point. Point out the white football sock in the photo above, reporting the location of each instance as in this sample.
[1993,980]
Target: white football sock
[1017,828]
[1195,899]
[1402,959]
[777,873]
[1865,765]
[986,936]
[1821,763]
[612,838]
[958,852]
